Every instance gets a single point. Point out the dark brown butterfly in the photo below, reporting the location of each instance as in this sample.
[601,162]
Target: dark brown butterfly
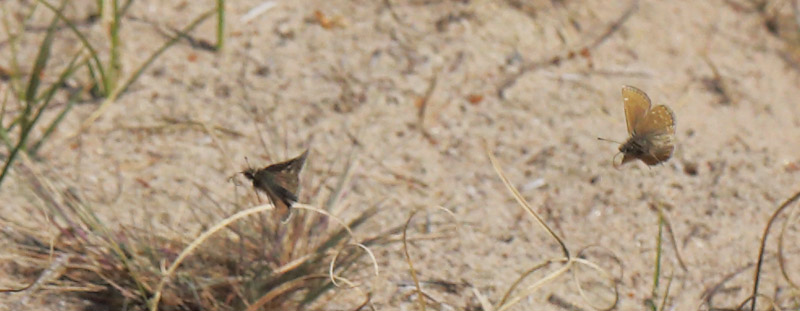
[280,181]
[652,130]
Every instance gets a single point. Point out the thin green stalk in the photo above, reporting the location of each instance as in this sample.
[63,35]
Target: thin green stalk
[95,55]
[3,108]
[6,139]
[70,102]
[3,132]
[38,66]
[657,272]
[48,98]
[51,91]
[14,151]
[13,41]
[115,65]
[220,24]
[121,89]
[26,124]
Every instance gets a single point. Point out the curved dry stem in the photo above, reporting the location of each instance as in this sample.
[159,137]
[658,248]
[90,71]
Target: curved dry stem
[604,273]
[772,303]
[772,219]
[421,294]
[610,255]
[410,264]
[280,290]
[535,286]
[362,246]
[449,212]
[323,212]
[710,292]
[217,227]
[522,202]
[795,214]
[568,259]
[367,300]
[196,243]
[526,274]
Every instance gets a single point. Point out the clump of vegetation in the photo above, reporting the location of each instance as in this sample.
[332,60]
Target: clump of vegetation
[247,261]
[33,92]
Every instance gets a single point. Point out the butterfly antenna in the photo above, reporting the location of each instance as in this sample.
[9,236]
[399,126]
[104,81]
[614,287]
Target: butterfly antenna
[606,139]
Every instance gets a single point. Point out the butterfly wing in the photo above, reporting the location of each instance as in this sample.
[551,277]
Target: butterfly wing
[280,181]
[284,180]
[658,120]
[658,129]
[636,106]
[282,199]
[287,174]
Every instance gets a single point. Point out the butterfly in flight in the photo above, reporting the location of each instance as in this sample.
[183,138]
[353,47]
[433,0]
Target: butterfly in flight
[652,131]
[280,181]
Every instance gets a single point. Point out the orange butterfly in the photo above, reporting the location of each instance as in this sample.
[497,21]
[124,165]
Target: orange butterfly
[652,130]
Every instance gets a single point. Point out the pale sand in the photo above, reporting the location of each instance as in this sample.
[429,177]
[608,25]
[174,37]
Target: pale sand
[283,74]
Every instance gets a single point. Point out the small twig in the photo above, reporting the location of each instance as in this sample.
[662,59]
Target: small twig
[563,304]
[410,263]
[55,271]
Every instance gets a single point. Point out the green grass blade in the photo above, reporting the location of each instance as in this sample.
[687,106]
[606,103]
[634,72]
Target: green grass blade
[119,90]
[41,61]
[48,97]
[13,41]
[6,138]
[3,109]
[95,90]
[84,40]
[30,93]
[70,103]
[335,238]
[3,132]
[114,65]
[220,24]
[651,302]
[13,154]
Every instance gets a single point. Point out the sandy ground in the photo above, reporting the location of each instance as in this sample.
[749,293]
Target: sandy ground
[285,82]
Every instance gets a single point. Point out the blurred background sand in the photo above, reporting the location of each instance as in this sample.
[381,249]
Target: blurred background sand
[338,76]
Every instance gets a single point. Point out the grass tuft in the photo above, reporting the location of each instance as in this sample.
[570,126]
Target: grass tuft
[246,261]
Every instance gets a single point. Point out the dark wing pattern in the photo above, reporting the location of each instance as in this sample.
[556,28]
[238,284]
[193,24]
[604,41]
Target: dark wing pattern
[280,181]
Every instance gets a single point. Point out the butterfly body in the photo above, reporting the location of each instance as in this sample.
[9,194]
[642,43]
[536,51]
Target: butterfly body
[280,181]
[652,130]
